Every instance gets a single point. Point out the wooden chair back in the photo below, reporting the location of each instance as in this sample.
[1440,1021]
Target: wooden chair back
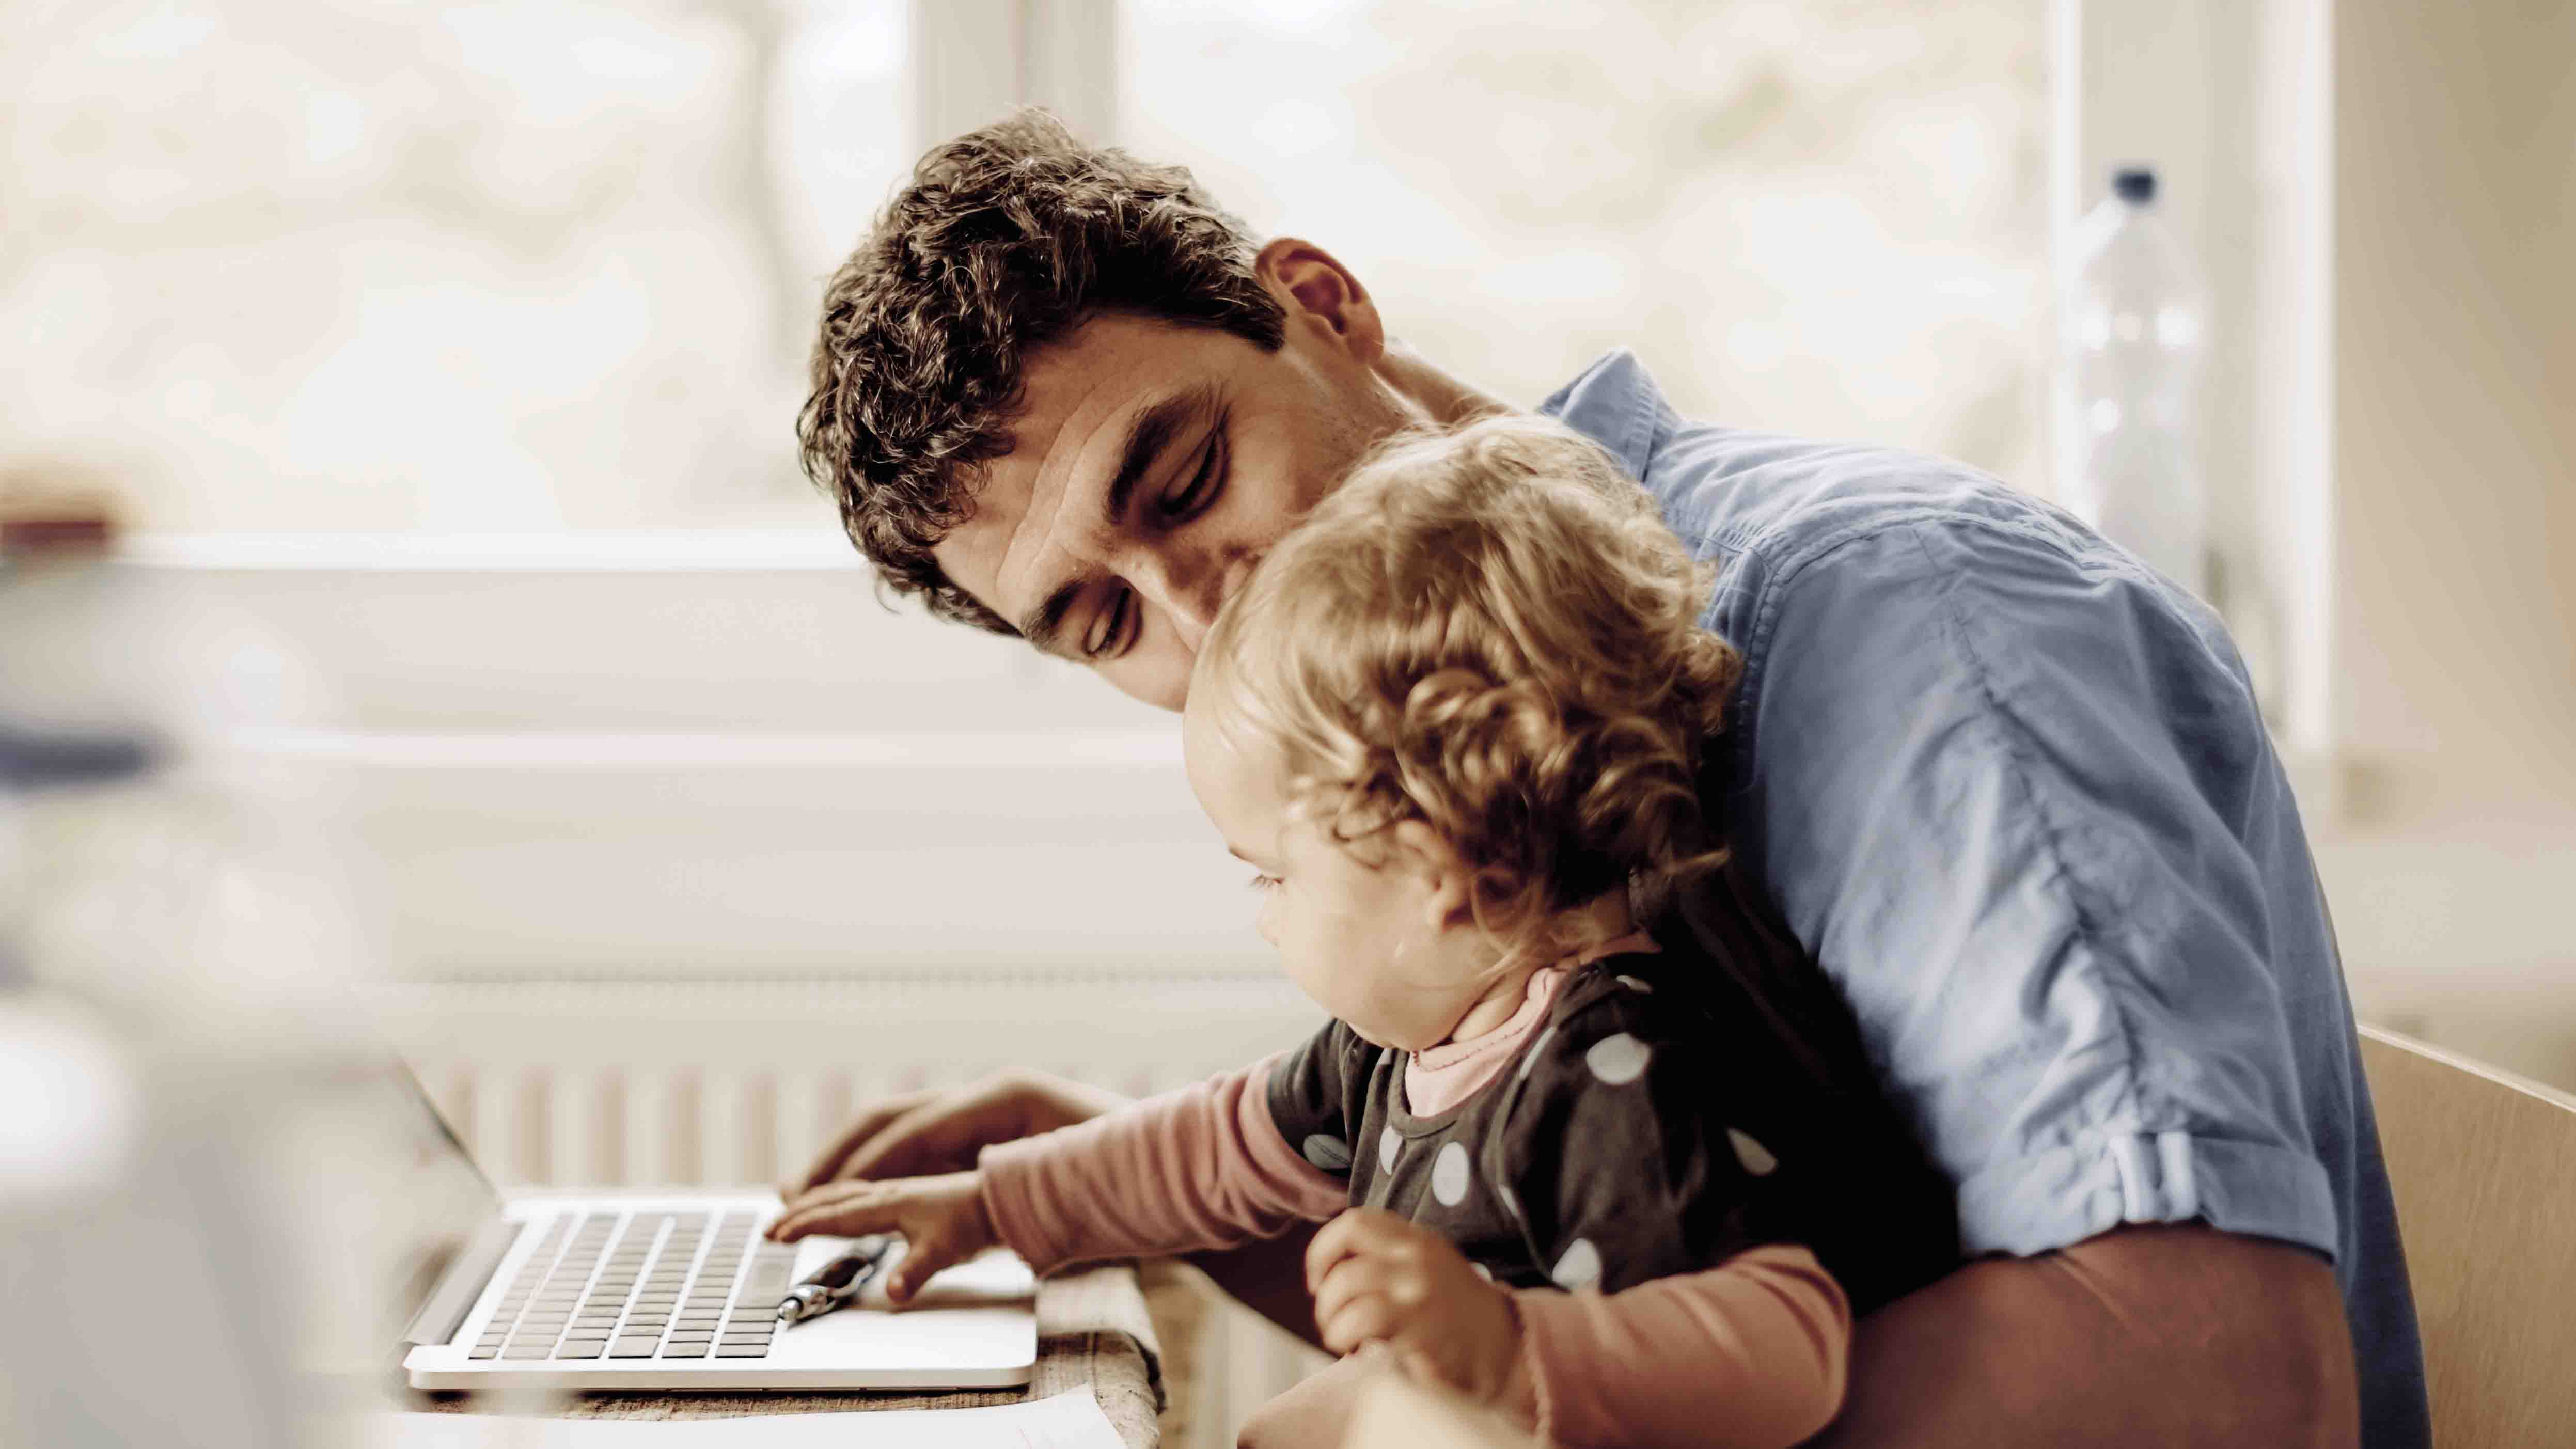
[2483,1165]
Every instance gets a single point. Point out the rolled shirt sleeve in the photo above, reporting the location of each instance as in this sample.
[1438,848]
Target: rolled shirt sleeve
[2003,792]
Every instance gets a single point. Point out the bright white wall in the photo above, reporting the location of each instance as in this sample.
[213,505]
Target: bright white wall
[2456,377]
[2455,444]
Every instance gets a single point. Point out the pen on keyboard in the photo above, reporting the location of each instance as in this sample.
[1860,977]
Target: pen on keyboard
[837,1283]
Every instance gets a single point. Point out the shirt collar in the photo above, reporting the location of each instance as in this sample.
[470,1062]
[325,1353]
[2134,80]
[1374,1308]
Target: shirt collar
[1615,403]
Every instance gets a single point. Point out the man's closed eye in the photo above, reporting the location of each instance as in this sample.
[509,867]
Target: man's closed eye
[1113,628]
[1206,482]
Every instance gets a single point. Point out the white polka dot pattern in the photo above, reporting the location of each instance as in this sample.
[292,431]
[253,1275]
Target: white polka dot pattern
[1510,1200]
[1530,1057]
[1449,1175]
[1633,984]
[1618,1060]
[1389,1145]
[1328,1152]
[1580,1267]
[1483,1272]
[1757,1159]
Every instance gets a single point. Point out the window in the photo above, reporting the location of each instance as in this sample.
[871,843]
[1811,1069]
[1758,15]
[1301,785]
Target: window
[515,266]
[1823,219]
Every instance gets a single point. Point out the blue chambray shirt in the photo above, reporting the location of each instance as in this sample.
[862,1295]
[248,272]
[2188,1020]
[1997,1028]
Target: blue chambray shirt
[2010,787]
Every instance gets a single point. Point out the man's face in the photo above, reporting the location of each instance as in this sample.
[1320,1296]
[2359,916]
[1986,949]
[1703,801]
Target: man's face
[1152,468]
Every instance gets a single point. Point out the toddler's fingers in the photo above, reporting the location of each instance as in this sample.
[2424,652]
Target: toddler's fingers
[1401,1283]
[844,1210]
[1356,1232]
[1363,1319]
[921,1259]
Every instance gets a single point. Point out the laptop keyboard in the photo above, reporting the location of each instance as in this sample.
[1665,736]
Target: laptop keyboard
[642,1285]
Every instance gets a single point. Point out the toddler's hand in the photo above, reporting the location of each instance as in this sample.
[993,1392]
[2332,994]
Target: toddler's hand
[1377,1277]
[942,1220]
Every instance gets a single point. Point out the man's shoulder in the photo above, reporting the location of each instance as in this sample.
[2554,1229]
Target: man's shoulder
[1797,522]
[1783,503]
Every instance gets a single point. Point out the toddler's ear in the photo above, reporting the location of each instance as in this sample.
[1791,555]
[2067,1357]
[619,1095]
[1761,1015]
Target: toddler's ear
[1448,886]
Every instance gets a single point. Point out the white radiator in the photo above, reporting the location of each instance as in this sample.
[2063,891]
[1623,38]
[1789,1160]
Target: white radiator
[716,1081]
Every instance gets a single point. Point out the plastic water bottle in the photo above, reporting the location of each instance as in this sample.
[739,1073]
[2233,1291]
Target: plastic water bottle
[2133,335]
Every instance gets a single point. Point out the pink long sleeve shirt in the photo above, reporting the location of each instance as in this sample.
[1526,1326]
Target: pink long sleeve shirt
[1748,1351]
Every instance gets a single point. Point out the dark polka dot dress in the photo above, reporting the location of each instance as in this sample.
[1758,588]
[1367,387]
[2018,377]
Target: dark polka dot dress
[1646,1129]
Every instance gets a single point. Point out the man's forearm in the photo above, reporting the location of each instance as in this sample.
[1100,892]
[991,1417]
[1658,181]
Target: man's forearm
[2165,1336]
[2143,1336]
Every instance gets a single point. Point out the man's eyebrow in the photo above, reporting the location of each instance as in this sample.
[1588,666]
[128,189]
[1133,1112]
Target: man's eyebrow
[1148,433]
[1039,625]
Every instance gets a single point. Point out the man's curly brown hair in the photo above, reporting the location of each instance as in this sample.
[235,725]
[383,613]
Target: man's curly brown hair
[1006,239]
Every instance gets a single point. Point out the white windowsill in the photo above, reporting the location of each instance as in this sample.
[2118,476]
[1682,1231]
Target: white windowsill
[969,751]
[575,551]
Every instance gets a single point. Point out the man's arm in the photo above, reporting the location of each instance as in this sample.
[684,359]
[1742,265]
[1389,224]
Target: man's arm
[2168,1335]
[2145,1336]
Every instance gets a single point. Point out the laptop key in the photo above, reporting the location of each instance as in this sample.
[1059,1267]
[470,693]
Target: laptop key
[580,1348]
[485,1350]
[742,1350]
[632,1347]
[528,1350]
[685,1350]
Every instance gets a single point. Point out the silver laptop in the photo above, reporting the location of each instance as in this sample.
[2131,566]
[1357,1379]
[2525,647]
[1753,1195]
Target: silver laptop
[672,1291]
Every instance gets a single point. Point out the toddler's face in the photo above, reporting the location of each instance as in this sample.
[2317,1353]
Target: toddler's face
[1381,946]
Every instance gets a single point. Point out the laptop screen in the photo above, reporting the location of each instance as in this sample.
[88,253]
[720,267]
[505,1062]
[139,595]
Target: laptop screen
[380,1214]
[445,1198]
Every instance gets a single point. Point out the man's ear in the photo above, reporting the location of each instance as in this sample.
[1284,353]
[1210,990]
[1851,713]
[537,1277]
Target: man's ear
[1321,292]
[1449,884]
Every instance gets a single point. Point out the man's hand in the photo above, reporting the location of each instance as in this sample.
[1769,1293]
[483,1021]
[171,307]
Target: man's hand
[1378,1278]
[926,1132]
[942,1220]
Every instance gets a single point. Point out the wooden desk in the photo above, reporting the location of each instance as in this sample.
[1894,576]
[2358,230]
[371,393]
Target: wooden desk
[1093,1333]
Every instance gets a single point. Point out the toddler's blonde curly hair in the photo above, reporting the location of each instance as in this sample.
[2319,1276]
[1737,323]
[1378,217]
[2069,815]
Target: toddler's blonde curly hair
[1488,629]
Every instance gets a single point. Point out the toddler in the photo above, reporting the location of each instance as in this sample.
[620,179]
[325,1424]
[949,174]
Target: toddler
[1593,1141]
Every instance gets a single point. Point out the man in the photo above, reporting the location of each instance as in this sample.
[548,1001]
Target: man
[2009,788]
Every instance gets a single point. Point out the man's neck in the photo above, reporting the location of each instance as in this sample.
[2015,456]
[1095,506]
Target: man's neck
[1435,393]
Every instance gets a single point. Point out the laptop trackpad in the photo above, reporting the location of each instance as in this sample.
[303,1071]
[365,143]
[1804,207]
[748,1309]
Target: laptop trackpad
[977,1314]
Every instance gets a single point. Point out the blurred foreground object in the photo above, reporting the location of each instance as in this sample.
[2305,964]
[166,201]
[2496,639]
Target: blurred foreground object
[2134,320]
[1394,1412]
[183,1219]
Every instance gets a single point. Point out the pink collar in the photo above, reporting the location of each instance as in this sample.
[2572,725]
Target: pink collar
[1438,1080]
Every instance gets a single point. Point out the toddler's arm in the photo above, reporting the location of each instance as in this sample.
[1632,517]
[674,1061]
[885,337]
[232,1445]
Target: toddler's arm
[1201,1167]
[1667,1201]
[1751,1355]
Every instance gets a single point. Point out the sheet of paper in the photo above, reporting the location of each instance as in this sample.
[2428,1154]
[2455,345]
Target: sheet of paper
[1067,1421]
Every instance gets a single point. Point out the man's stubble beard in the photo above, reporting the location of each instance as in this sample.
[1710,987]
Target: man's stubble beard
[1355,431]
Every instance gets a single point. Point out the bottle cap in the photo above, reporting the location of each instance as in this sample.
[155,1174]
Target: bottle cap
[2135,185]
